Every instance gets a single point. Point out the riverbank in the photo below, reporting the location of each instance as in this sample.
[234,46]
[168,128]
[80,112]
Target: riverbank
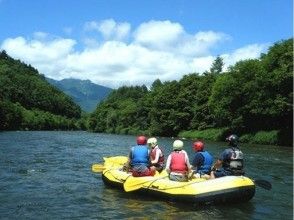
[274,137]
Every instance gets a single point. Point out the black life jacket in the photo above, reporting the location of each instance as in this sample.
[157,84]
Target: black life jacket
[235,164]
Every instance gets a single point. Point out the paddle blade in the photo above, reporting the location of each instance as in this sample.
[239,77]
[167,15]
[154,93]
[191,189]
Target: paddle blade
[263,184]
[119,160]
[135,183]
[98,168]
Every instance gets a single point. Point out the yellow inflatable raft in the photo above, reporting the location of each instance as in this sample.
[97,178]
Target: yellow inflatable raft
[220,190]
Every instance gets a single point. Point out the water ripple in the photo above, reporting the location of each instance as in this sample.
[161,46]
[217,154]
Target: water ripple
[46,175]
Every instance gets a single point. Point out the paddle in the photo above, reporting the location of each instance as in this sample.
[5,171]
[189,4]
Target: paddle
[135,183]
[115,161]
[97,168]
[259,182]
[263,184]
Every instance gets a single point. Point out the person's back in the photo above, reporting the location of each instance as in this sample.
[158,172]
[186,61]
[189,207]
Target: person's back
[139,158]
[177,164]
[203,160]
[156,154]
[231,161]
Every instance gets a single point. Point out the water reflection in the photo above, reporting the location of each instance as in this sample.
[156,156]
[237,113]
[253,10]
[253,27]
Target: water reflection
[132,206]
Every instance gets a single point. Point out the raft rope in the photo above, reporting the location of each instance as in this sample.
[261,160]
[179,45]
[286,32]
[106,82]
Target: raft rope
[155,181]
[121,180]
[173,187]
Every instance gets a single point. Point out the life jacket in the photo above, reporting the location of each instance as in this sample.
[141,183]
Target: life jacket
[178,163]
[207,163]
[236,161]
[140,155]
[153,155]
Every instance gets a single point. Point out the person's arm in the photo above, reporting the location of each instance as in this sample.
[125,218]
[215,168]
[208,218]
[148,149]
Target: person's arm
[156,157]
[130,156]
[127,165]
[197,161]
[187,161]
[217,164]
[150,157]
[167,166]
[219,161]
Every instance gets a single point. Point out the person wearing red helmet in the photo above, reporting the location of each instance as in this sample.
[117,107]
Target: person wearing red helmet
[139,158]
[230,162]
[202,161]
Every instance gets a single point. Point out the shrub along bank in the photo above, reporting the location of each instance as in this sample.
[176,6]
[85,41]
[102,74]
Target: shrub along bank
[219,134]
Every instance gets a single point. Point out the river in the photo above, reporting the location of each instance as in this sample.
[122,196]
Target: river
[47,175]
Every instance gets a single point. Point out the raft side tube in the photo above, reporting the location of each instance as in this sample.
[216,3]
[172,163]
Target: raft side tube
[229,195]
[239,194]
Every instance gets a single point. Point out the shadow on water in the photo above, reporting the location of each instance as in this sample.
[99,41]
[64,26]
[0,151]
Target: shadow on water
[135,204]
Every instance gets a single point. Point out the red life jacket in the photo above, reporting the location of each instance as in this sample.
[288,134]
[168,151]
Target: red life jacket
[153,155]
[178,163]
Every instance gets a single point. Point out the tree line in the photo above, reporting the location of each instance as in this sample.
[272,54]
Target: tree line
[253,98]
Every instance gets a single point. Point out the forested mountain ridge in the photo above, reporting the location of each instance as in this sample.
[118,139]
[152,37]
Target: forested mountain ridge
[85,93]
[28,101]
[253,98]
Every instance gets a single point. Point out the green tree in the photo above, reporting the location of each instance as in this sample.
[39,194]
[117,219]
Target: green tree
[23,92]
[217,66]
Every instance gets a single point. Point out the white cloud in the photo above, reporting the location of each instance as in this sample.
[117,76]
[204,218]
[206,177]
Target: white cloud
[46,56]
[168,36]
[159,49]
[251,51]
[202,64]
[109,29]
[158,34]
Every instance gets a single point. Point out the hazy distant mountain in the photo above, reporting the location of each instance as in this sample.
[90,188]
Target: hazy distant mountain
[84,92]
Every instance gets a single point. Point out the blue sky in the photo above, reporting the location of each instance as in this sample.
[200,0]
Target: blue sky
[116,42]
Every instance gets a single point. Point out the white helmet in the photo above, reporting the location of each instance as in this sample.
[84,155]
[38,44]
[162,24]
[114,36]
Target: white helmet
[152,141]
[178,145]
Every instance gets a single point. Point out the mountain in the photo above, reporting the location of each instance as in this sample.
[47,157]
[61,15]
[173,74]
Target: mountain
[84,92]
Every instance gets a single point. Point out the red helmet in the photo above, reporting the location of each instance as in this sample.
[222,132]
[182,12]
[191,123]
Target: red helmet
[141,140]
[198,146]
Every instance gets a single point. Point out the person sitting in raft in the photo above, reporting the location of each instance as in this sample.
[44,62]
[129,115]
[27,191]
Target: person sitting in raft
[230,162]
[157,157]
[202,161]
[139,159]
[177,165]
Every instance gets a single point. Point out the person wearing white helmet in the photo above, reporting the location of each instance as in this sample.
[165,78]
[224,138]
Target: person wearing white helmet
[157,157]
[177,165]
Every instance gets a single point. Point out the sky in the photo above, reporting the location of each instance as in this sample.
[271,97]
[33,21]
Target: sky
[134,42]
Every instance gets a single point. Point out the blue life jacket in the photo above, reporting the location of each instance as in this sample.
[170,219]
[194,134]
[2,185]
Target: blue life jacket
[207,163]
[140,155]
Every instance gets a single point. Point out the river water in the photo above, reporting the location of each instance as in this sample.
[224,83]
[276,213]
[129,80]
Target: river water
[47,175]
